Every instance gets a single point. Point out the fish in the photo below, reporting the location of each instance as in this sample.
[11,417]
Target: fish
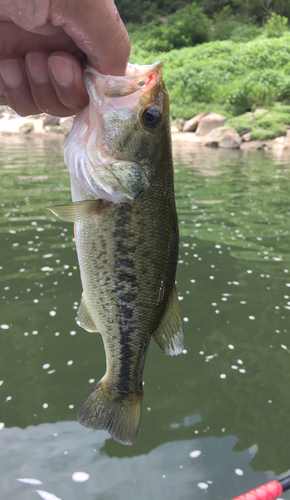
[123,207]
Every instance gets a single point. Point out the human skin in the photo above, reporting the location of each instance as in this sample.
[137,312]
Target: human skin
[41,44]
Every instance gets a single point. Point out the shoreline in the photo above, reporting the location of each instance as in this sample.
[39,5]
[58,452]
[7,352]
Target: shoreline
[39,126]
[278,144]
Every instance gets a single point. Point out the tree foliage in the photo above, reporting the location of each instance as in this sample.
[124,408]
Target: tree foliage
[186,27]
[260,10]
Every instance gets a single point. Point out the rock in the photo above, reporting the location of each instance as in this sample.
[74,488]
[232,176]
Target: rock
[209,122]
[246,137]
[50,120]
[187,136]
[212,139]
[179,122]
[279,140]
[66,124]
[52,129]
[223,137]
[26,128]
[260,111]
[174,129]
[245,131]
[230,140]
[263,147]
[192,124]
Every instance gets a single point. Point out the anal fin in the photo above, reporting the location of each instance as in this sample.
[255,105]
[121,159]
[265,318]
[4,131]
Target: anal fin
[169,333]
[85,318]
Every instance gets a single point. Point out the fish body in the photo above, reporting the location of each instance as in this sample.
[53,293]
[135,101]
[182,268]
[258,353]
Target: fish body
[119,157]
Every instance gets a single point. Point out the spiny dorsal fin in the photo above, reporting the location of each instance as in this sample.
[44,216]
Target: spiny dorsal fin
[169,334]
[85,318]
[77,210]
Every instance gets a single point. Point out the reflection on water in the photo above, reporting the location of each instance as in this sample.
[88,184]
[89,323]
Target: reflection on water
[216,418]
[51,457]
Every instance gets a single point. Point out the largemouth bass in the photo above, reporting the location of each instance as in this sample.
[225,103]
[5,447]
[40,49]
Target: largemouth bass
[119,158]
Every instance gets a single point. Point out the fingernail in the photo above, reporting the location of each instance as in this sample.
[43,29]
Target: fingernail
[11,72]
[37,66]
[62,70]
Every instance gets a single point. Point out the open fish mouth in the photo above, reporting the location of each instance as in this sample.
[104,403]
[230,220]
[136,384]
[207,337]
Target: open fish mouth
[97,147]
[137,76]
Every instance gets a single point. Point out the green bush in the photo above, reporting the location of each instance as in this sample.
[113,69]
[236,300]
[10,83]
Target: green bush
[263,126]
[276,25]
[224,24]
[186,27]
[238,28]
[222,75]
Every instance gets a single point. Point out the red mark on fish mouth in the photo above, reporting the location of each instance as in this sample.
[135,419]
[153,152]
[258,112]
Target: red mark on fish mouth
[150,78]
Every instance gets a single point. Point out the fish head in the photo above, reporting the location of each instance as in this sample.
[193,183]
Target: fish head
[113,151]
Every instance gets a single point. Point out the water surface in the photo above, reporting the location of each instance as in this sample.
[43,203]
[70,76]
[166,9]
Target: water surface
[215,419]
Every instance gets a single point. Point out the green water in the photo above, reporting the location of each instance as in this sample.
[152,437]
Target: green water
[215,420]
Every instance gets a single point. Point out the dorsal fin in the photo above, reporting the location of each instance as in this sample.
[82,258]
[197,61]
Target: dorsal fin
[169,333]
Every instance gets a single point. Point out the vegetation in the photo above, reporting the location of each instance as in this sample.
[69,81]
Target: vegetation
[224,75]
[220,56]
[229,57]
[259,11]
[268,125]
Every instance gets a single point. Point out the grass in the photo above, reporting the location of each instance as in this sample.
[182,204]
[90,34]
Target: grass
[268,125]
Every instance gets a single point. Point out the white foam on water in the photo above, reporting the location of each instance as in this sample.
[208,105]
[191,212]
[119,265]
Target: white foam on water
[28,480]
[46,495]
[80,477]
[195,453]
[202,486]
[239,472]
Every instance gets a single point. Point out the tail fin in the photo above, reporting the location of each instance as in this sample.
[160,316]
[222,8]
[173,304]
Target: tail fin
[102,410]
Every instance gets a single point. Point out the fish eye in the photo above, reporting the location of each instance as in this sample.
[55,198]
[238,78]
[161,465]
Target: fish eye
[151,118]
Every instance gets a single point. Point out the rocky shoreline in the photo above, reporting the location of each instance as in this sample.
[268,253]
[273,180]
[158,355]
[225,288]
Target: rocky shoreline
[205,129]
[211,130]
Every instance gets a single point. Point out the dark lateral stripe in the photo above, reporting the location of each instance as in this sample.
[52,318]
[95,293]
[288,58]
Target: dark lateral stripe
[126,277]
[126,263]
[126,301]
[127,297]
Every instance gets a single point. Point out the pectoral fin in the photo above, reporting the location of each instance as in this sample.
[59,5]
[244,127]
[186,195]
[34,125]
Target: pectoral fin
[85,318]
[78,210]
[169,334]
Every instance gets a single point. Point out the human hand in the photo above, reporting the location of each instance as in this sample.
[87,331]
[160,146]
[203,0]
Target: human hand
[41,44]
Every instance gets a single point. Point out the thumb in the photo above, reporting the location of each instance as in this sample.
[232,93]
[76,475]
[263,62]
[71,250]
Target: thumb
[97,29]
